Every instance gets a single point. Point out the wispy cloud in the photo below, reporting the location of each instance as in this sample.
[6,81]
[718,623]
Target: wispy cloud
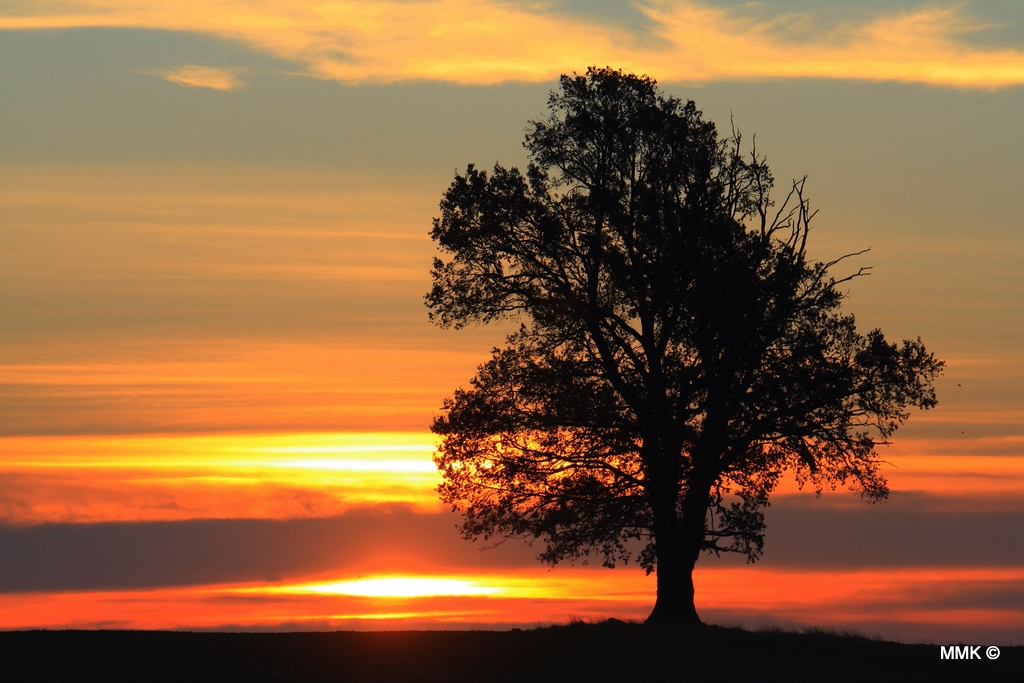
[488,41]
[194,76]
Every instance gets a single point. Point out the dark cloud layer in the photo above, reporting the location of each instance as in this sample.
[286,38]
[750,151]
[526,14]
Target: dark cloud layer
[134,555]
[907,531]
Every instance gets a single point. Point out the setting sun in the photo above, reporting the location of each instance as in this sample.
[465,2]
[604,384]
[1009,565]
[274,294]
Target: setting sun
[399,587]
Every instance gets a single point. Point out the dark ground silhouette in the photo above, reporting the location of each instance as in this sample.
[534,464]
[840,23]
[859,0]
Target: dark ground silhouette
[611,651]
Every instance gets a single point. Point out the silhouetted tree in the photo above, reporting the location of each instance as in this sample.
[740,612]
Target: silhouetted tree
[677,353]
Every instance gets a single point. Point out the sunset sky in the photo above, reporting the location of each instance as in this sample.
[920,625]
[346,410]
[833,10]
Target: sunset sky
[216,369]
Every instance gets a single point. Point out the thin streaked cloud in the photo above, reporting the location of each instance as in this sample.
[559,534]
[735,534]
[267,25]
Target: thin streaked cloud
[488,41]
[212,77]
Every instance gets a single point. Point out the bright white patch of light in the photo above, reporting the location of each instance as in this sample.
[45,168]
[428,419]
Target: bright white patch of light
[403,587]
[387,448]
[360,465]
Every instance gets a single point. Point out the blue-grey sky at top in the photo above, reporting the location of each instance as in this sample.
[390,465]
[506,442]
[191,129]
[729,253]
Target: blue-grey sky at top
[91,96]
[914,171]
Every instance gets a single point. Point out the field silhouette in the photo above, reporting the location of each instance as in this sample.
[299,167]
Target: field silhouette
[608,651]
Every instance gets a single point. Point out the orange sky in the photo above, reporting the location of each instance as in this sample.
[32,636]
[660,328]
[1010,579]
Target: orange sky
[216,372]
[89,479]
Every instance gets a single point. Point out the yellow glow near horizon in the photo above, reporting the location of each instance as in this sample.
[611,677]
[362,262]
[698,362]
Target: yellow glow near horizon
[174,477]
[489,41]
[238,451]
[851,598]
[535,583]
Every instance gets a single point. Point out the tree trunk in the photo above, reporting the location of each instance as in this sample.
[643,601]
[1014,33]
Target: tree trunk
[674,604]
[678,544]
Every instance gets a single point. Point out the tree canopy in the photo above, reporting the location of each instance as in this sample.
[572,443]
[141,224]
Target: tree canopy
[678,351]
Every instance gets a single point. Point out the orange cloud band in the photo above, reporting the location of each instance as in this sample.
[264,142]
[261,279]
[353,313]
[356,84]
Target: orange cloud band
[488,41]
[273,476]
[174,477]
